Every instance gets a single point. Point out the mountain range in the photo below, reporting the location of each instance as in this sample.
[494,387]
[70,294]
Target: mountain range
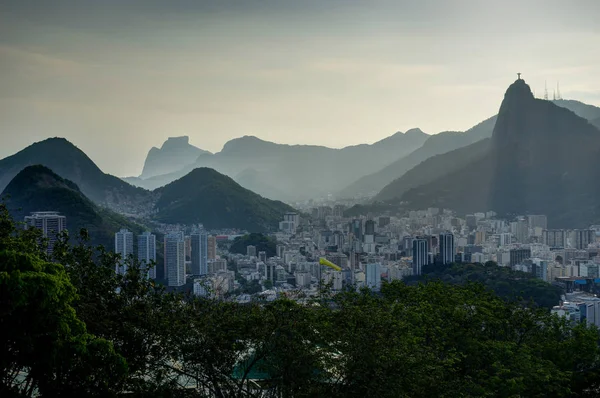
[201,196]
[539,160]
[73,164]
[435,145]
[37,188]
[294,172]
[437,166]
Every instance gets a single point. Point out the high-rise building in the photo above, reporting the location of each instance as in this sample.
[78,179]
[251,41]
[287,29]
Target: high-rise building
[188,247]
[290,222]
[262,256]
[251,251]
[123,247]
[520,230]
[147,252]
[51,223]
[270,272]
[538,221]
[420,254]
[356,229]
[446,248]
[471,221]
[518,256]
[407,245]
[556,238]
[175,259]
[504,239]
[199,253]
[333,278]
[212,247]
[383,221]
[280,249]
[339,259]
[369,227]
[581,238]
[373,276]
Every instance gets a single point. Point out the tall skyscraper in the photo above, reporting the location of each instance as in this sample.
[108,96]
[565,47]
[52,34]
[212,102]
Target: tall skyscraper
[581,238]
[373,277]
[520,230]
[518,256]
[212,247]
[199,253]
[446,248]
[175,259]
[51,223]
[356,229]
[251,251]
[420,254]
[147,252]
[124,247]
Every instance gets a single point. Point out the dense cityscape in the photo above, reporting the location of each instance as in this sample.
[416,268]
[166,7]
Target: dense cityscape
[368,251]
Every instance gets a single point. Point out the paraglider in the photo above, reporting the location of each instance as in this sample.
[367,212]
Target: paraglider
[327,263]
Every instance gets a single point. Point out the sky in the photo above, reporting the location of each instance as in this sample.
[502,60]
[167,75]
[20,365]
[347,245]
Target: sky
[117,77]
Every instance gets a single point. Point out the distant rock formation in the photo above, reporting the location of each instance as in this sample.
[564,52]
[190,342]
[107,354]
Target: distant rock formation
[541,160]
[173,155]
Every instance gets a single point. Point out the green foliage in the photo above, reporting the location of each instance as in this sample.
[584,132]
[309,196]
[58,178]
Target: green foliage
[45,345]
[506,283]
[78,329]
[215,200]
[37,188]
[262,242]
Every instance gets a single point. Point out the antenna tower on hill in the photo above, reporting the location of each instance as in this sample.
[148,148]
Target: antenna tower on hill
[545,90]
[558,96]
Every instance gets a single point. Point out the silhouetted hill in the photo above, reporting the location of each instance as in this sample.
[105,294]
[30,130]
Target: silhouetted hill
[596,122]
[436,144]
[37,188]
[174,154]
[296,171]
[433,168]
[586,111]
[70,162]
[215,200]
[541,161]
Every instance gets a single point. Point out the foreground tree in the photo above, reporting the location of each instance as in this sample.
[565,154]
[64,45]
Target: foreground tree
[72,327]
[44,347]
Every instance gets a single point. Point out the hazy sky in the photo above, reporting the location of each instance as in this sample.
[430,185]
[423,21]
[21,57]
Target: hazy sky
[117,77]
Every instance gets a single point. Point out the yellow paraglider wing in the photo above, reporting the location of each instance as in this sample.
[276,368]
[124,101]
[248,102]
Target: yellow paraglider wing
[324,261]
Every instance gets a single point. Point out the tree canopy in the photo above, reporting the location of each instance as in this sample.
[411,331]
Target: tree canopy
[70,326]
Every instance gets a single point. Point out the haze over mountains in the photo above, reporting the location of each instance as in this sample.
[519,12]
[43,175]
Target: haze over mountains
[173,155]
[295,172]
[37,188]
[299,172]
[68,161]
[202,196]
[540,160]
[411,167]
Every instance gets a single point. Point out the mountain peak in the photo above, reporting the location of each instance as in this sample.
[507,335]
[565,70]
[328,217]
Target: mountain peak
[176,142]
[174,154]
[414,131]
[518,91]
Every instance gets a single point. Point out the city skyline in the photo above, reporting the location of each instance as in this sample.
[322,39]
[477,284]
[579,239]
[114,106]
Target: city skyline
[118,80]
